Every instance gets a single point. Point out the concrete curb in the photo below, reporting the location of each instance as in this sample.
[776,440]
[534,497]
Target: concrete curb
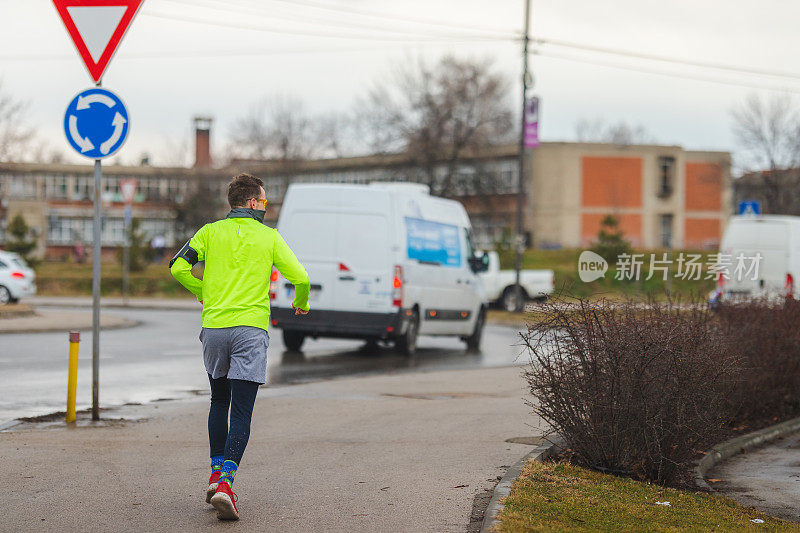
[123,323]
[109,302]
[729,448]
[15,311]
[10,424]
[503,487]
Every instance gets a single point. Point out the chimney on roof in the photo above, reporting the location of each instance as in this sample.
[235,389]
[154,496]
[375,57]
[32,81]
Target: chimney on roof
[202,142]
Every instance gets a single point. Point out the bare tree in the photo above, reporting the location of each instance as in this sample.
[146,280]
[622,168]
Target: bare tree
[438,114]
[333,135]
[769,133]
[620,133]
[174,151]
[275,128]
[15,135]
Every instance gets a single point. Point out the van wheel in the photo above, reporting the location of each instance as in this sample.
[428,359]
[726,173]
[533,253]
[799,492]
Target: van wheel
[5,296]
[510,300]
[293,339]
[474,340]
[407,344]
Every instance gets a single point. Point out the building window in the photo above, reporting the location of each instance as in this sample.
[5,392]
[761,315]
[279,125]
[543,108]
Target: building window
[666,231]
[55,187]
[84,188]
[666,174]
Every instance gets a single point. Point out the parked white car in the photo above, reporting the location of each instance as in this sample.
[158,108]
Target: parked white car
[773,238]
[499,284]
[17,279]
[386,261]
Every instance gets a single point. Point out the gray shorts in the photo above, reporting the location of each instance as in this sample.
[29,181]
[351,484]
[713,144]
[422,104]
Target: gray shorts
[239,352]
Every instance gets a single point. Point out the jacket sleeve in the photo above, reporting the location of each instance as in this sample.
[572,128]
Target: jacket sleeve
[182,270]
[287,264]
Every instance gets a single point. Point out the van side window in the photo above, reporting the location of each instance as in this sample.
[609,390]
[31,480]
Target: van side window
[433,243]
[470,243]
[3,265]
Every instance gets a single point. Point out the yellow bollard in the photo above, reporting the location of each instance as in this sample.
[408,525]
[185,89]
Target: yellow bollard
[72,375]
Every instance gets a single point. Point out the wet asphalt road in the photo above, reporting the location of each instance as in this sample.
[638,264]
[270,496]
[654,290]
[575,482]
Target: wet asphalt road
[161,358]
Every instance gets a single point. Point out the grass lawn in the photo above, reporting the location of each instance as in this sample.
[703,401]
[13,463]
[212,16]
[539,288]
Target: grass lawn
[56,278]
[564,264]
[564,497]
[73,279]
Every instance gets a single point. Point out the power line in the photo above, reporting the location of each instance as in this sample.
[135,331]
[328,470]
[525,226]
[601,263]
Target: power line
[541,41]
[646,70]
[379,14]
[178,54]
[666,59]
[283,31]
[305,19]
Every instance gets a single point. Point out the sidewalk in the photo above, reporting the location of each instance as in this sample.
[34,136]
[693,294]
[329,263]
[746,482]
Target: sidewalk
[402,452]
[766,478]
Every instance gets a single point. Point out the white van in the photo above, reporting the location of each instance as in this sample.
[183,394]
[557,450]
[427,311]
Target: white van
[387,261]
[773,238]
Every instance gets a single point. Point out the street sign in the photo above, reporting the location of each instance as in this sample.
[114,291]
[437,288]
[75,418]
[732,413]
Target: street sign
[750,207]
[128,189]
[532,122]
[96,123]
[97,27]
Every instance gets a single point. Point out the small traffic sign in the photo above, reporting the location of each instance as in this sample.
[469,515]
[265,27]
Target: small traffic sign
[531,137]
[97,27]
[96,123]
[750,207]
[128,189]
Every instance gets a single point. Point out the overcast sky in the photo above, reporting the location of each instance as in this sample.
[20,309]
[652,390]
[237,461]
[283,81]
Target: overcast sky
[169,69]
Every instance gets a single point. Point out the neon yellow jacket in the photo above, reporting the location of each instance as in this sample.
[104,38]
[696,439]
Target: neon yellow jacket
[239,254]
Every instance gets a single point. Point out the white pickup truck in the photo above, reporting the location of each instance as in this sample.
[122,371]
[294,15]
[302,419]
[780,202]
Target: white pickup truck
[499,284]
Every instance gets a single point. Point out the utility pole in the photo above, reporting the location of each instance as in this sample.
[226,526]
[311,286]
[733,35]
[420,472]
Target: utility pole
[519,244]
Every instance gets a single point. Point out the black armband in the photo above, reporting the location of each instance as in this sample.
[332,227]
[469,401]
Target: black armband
[188,253]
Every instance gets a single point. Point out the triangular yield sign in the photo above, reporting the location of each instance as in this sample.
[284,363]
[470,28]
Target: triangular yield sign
[97,27]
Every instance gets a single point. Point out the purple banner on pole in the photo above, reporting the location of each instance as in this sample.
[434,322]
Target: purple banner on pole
[531,138]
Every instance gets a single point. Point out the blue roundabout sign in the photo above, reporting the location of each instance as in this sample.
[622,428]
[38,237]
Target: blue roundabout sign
[96,123]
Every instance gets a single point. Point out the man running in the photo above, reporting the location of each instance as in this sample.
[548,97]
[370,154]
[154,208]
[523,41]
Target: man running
[239,252]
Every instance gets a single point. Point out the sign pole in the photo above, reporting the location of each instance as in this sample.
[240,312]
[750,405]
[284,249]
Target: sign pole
[98,180]
[96,33]
[126,257]
[519,244]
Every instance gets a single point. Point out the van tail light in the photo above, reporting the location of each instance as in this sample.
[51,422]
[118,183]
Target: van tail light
[18,275]
[273,284]
[397,287]
[343,268]
[789,286]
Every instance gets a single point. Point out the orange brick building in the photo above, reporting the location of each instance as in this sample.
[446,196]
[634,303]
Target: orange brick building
[663,196]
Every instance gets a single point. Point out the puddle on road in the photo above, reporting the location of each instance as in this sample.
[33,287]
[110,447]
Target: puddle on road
[530,441]
[443,395]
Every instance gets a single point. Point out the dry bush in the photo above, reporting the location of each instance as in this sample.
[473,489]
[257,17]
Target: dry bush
[766,335]
[631,387]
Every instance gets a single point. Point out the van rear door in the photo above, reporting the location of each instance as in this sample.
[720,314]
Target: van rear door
[746,239]
[364,279]
[313,237]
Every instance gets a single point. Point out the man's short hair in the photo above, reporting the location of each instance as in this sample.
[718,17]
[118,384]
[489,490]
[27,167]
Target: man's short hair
[242,188]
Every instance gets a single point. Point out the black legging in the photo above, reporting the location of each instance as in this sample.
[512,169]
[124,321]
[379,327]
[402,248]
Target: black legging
[239,395]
